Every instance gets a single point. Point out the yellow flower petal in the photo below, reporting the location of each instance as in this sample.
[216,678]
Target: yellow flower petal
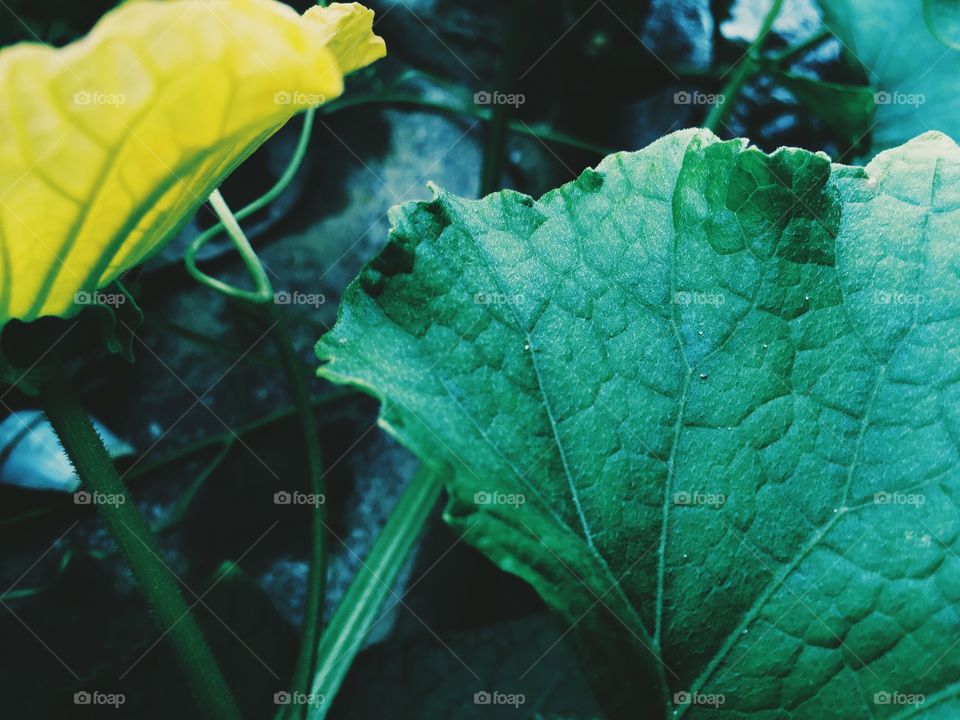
[348,29]
[108,145]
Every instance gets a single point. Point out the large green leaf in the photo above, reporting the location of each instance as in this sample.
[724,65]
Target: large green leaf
[725,386]
[911,52]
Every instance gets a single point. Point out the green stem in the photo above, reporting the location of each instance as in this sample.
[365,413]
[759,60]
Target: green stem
[215,345]
[743,71]
[66,560]
[220,439]
[494,150]
[282,182]
[399,98]
[495,146]
[317,577]
[293,371]
[359,610]
[229,221]
[137,545]
[263,291]
[185,501]
[185,452]
[794,51]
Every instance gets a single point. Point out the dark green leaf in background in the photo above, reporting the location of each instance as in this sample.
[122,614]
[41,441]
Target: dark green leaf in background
[847,109]
[910,50]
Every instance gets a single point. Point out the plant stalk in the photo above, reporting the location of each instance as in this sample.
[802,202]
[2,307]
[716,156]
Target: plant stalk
[317,577]
[495,144]
[743,71]
[359,610]
[186,452]
[293,370]
[411,100]
[795,51]
[138,547]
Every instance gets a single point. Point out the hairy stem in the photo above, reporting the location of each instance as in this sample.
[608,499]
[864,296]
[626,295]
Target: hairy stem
[133,538]
[184,453]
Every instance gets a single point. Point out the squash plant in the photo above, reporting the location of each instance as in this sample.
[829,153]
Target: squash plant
[703,398]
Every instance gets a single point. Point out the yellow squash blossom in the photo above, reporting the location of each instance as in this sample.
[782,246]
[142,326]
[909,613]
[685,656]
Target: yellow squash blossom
[108,144]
